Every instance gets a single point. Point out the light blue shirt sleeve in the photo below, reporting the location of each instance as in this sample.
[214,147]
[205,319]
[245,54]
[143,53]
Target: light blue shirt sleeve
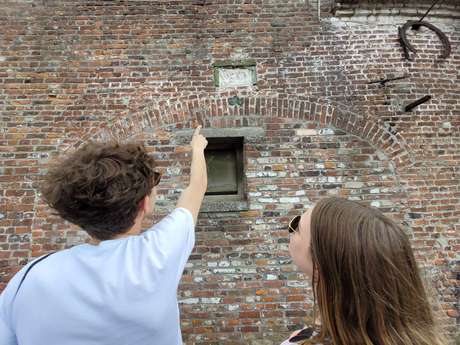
[7,332]
[7,336]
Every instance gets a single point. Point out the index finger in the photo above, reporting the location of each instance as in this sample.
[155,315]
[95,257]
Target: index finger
[197,130]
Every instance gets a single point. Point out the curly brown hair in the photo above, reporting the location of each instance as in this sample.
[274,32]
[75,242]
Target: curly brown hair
[99,186]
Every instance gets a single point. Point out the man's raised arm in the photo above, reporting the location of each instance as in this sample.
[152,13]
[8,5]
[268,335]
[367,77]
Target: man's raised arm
[193,195]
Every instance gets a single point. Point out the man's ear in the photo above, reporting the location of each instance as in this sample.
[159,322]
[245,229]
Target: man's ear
[144,204]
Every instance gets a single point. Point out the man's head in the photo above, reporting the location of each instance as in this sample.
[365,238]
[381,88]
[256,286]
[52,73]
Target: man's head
[102,187]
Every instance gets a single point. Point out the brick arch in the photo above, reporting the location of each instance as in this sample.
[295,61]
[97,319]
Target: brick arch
[163,113]
[214,111]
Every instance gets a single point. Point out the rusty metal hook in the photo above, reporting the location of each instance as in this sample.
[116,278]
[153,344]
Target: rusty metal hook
[407,46]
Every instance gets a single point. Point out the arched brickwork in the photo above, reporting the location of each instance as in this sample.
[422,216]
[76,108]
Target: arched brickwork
[199,109]
[215,111]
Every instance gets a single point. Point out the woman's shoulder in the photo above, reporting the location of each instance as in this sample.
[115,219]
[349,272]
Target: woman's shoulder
[298,337]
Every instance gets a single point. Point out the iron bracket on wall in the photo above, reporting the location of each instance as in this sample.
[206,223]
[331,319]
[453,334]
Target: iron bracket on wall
[412,105]
[382,82]
[416,23]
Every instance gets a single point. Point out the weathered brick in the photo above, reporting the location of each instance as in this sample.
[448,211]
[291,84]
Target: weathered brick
[324,125]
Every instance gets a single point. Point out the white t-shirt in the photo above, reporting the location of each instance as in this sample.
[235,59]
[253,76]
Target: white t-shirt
[120,292]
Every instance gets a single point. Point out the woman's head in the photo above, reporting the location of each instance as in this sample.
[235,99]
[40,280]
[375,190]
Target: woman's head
[102,186]
[365,278]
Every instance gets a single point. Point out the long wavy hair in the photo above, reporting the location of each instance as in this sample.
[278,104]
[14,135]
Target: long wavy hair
[366,283]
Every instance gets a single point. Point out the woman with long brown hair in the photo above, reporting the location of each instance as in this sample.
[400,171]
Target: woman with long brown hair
[366,284]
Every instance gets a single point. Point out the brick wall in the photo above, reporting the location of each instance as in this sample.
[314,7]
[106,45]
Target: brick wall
[74,71]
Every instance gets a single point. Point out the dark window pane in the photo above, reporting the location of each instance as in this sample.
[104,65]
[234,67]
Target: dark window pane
[222,171]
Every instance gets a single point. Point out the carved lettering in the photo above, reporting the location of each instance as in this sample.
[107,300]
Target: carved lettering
[229,77]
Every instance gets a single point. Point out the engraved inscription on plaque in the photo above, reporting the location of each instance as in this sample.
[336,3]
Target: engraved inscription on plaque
[231,77]
[230,73]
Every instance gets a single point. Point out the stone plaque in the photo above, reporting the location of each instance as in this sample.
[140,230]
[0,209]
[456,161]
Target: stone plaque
[231,77]
[234,73]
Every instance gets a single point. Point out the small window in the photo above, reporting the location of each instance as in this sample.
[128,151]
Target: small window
[224,160]
[225,165]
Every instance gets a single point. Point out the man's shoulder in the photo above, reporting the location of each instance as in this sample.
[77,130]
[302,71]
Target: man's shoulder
[179,218]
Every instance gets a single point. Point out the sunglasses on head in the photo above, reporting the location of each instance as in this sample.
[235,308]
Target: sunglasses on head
[156,178]
[305,333]
[294,224]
